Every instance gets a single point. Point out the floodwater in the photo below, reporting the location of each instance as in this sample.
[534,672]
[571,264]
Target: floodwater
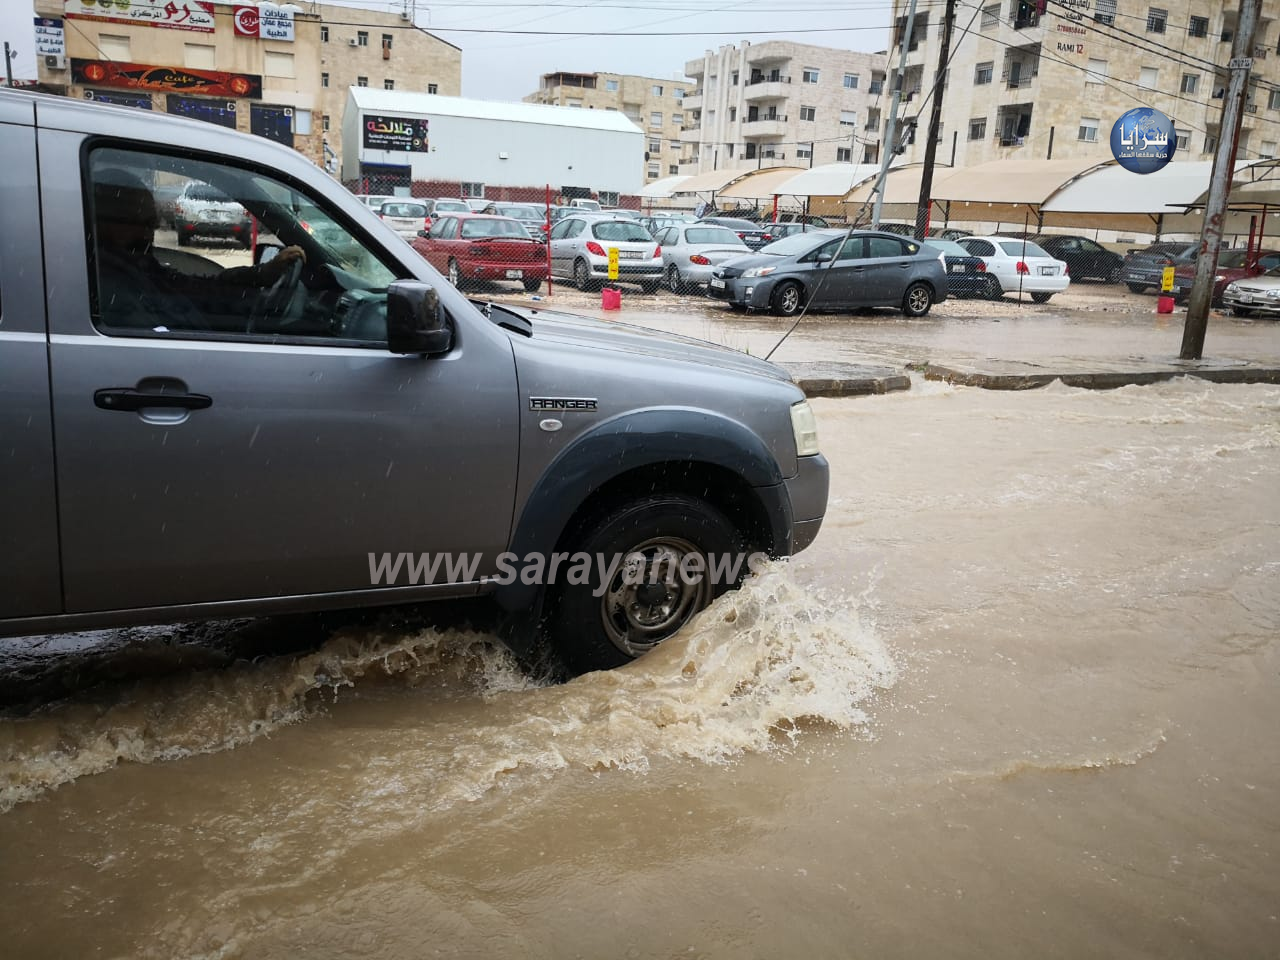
[1019,699]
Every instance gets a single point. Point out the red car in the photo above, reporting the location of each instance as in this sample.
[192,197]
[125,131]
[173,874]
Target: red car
[1232,265]
[476,246]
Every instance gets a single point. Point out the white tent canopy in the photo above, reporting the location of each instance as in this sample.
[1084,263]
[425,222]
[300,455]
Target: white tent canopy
[828,180]
[660,189]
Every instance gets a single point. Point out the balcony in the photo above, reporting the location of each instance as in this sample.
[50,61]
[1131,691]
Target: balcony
[766,53]
[692,102]
[694,68]
[690,134]
[767,90]
[765,127]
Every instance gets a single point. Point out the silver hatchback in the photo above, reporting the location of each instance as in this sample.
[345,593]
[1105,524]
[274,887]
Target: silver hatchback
[580,247]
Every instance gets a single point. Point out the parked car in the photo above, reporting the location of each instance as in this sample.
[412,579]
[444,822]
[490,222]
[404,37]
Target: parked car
[690,250]
[1014,265]
[1232,265]
[623,214]
[1256,295]
[948,233]
[187,455]
[405,217]
[754,235]
[202,210]
[825,270]
[580,251]
[476,204]
[966,274]
[776,231]
[374,200]
[477,246]
[532,217]
[585,204]
[1145,267]
[439,205]
[657,223]
[1084,257]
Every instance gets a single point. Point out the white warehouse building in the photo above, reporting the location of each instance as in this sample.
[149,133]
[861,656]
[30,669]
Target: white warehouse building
[395,141]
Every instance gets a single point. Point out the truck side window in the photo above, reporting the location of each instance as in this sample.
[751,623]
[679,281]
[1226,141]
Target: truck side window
[189,247]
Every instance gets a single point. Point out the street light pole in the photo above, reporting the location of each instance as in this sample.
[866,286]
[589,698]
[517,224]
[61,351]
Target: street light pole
[1224,162]
[8,63]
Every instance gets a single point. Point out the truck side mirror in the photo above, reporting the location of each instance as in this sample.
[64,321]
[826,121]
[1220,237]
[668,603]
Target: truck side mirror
[416,322]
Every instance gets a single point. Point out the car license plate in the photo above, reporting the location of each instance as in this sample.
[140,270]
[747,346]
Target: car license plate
[515,274]
[630,254]
[1135,276]
[1048,271]
[717,283]
[1244,298]
[957,268]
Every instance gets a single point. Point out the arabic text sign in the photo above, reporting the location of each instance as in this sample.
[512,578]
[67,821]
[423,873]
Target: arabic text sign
[51,40]
[395,133]
[145,76]
[266,21]
[176,14]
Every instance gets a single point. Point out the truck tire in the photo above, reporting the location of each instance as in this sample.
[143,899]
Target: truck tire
[596,629]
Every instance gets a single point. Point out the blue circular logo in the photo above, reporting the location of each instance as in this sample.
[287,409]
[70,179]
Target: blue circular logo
[1143,140]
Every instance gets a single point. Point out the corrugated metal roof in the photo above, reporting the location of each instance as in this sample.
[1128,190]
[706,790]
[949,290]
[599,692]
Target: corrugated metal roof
[431,104]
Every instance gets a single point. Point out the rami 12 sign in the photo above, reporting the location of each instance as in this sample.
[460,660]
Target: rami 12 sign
[265,21]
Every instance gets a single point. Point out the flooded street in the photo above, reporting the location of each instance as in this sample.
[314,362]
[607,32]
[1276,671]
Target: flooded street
[1019,699]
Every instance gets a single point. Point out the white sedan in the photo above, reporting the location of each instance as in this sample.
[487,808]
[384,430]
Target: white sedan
[1014,265]
[1250,295]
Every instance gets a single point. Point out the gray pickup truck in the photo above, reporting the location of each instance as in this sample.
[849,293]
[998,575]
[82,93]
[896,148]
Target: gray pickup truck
[324,422]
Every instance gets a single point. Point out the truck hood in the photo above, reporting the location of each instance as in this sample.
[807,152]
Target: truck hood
[577,331]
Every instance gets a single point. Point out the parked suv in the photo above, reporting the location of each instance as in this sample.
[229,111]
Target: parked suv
[204,211]
[270,434]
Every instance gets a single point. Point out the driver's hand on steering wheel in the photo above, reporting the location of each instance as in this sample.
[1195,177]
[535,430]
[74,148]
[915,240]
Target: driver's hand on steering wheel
[278,265]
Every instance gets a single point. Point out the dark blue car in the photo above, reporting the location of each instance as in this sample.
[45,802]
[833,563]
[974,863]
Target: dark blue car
[966,274]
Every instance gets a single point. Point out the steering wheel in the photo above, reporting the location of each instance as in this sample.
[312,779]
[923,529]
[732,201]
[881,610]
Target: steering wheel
[275,299]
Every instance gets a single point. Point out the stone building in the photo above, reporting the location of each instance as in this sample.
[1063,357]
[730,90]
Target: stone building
[782,103]
[1041,78]
[654,105]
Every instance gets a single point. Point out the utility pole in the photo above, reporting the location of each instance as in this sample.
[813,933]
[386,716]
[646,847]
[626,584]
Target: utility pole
[8,63]
[935,118]
[1224,164]
[888,148]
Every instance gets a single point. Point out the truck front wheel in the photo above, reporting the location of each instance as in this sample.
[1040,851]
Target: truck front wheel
[648,578]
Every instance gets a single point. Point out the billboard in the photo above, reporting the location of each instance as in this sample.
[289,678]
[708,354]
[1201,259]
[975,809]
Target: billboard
[50,39]
[267,22]
[175,14]
[145,76]
[395,133]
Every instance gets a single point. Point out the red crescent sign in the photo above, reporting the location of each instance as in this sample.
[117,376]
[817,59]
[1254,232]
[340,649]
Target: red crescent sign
[246,21]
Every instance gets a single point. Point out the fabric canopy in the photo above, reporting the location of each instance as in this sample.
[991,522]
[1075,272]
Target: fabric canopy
[711,181]
[761,184]
[662,188]
[829,179]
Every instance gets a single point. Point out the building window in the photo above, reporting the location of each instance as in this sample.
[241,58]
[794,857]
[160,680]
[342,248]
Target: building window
[362,81]
[655,146]
[735,78]
[655,121]
[808,113]
[114,47]
[990,16]
[1157,19]
[1273,100]
[362,38]
[277,64]
[877,85]
[1089,129]
[608,198]
[1184,139]
[851,81]
[433,88]
[810,75]
[574,102]
[848,118]
[978,128]
[1267,149]
[326,123]
[1149,77]
[1210,143]
[982,73]
[733,114]
[1198,27]
[678,119]
[388,84]
[386,41]
[656,90]
[804,151]
[673,168]
[199,56]
[1105,12]
[653,170]
[844,155]
[1190,81]
[324,34]
[611,86]
[324,79]
[678,93]
[1097,72]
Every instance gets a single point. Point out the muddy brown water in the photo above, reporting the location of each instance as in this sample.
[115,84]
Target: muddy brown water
[1019,699]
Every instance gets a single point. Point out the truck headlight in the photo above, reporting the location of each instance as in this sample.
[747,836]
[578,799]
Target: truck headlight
[805,428]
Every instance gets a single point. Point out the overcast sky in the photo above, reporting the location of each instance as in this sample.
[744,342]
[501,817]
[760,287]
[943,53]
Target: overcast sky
[498,64]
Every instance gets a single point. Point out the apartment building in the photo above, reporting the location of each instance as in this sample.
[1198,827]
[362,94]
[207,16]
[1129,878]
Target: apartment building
[655,105]
[781,103]
[385,51]
[257,74]
[1041,78]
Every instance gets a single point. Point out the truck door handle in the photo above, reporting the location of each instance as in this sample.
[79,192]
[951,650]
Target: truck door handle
[129,399]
